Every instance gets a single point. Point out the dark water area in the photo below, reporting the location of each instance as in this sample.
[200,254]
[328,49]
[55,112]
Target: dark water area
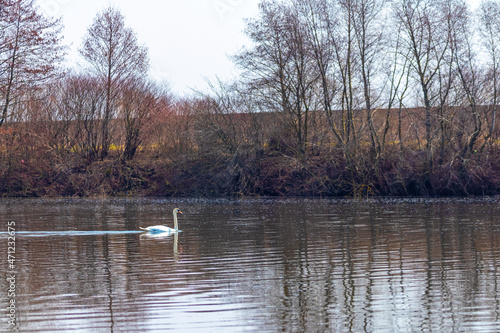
[267,265]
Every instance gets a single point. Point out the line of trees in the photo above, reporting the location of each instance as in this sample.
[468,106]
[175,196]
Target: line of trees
[335,97]
[82,109]
[378,57]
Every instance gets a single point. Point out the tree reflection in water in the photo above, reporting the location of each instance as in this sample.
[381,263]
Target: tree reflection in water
[258,264]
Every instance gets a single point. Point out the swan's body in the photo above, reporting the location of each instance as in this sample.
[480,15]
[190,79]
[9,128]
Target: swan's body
[155,229]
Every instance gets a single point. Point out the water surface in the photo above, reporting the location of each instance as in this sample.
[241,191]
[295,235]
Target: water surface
[268,265]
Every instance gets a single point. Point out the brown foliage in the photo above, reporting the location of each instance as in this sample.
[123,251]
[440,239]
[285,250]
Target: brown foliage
[30,53]
[321,109]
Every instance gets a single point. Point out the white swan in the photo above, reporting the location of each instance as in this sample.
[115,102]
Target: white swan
[161,228]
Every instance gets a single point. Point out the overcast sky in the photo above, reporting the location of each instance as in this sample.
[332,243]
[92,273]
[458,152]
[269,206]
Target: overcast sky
[188,40]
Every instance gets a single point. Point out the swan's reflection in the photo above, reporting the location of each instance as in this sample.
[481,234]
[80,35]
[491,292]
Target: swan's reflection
[159,235]
[162,235]
[176,244]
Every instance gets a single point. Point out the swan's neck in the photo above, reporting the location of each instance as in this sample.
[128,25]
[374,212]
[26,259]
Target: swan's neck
[176,227]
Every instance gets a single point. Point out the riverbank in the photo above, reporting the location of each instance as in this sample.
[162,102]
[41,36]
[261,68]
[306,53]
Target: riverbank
[252,173]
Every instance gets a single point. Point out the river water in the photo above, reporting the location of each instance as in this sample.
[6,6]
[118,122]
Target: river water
[266,265]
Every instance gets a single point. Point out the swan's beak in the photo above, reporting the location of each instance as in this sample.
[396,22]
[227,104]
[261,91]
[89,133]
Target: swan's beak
[179,212]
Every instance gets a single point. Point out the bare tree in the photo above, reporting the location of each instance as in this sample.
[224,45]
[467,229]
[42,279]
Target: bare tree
[343,41]
[468,71]
[280,67]
[55,124]
[113,52]
[320,27]
[30,51]
[489,15]
[84,100]
[397,84]
[139,104]
[426,37]
[369,39]
[332,43]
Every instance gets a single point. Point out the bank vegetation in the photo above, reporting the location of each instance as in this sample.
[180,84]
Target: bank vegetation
[335,98]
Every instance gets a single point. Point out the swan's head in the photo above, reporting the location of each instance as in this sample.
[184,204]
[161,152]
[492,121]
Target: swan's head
[177,211]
